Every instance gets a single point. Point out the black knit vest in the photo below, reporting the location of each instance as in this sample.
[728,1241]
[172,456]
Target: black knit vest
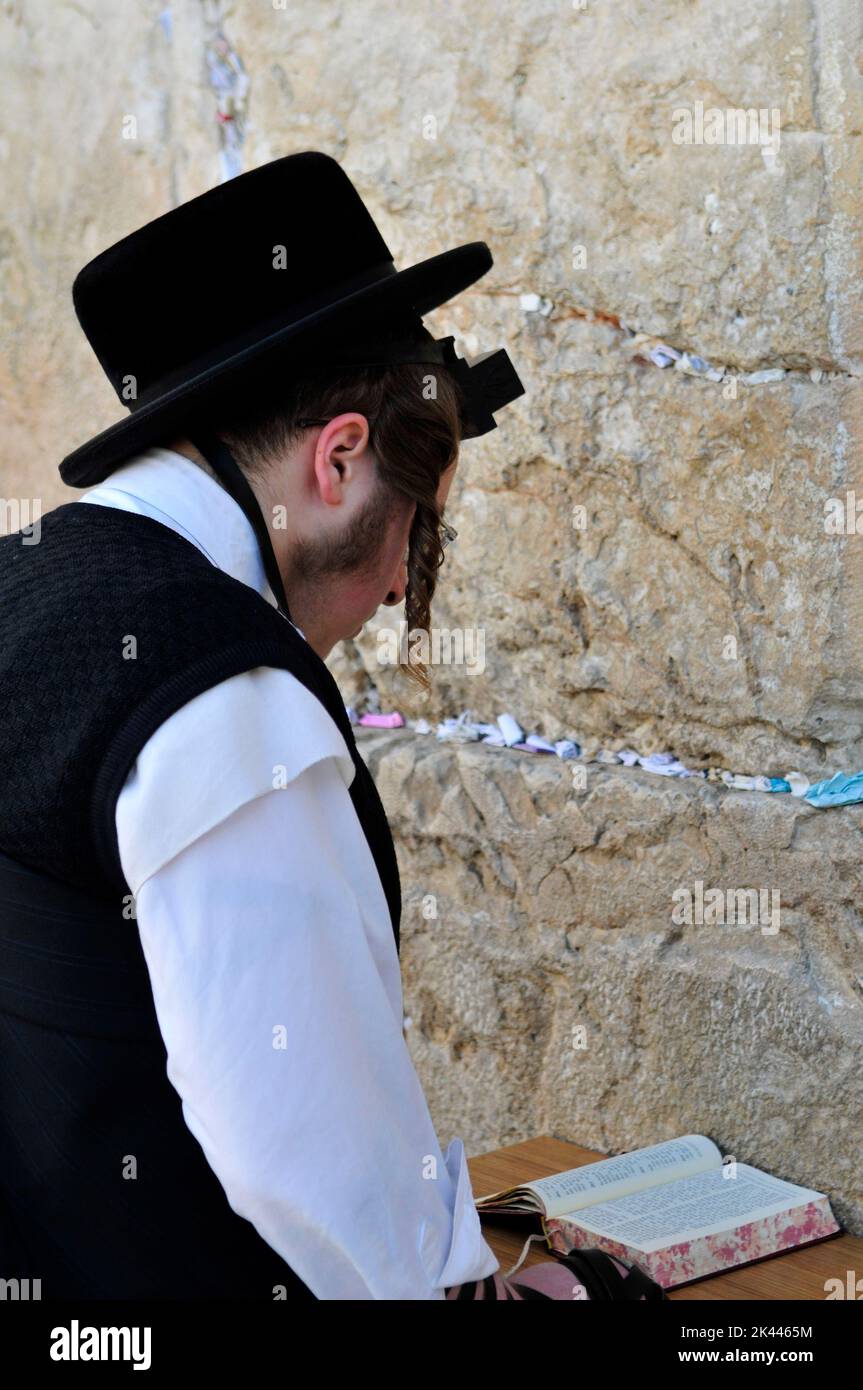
[83,1080]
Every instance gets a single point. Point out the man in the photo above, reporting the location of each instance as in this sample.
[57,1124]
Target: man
[204,1085]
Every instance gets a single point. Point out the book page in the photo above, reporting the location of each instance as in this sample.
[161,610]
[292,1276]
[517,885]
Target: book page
[705,1204]
[610,1178]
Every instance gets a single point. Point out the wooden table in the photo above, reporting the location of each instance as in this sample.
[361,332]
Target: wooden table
[798,1275]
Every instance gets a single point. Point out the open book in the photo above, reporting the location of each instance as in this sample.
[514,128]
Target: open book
[675,1209]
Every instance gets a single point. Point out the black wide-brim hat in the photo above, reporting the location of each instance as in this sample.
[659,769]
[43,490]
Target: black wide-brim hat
[281,266]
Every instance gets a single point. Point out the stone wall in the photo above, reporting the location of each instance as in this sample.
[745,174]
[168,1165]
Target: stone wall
[703,607]
[533,910]
[643,548]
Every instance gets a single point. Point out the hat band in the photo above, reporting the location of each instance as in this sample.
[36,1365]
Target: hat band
[261,332]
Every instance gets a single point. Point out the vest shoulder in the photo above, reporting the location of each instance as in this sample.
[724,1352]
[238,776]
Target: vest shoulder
[78,526]
[115,557]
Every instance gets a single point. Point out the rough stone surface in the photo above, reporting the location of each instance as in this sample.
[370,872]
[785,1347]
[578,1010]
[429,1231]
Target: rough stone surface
[704,514]
[554,911]
[702,608]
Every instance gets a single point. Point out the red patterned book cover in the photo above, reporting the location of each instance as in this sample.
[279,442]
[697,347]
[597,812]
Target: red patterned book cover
[676,1209]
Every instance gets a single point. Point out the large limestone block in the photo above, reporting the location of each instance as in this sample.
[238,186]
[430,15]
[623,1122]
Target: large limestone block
[703,607]
[559,911]
[109,123]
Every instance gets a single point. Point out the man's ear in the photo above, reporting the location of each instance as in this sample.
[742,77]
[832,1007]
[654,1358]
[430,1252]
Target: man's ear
[340,443]
[329,475]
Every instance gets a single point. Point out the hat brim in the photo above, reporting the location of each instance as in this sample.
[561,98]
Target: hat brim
[419,288]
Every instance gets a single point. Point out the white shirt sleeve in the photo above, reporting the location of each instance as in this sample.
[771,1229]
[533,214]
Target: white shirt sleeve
[236,741]
[277,990]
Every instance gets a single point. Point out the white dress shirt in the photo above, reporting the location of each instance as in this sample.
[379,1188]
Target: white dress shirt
[271,956]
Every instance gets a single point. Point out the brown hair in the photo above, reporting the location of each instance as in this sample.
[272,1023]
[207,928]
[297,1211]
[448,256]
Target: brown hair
[415,437]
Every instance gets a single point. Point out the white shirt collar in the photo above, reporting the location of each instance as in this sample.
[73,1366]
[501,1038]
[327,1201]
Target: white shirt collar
[183,495]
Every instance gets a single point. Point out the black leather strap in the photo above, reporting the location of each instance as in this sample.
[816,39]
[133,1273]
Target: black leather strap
[223,463]
[584,1267]
[603,1280]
